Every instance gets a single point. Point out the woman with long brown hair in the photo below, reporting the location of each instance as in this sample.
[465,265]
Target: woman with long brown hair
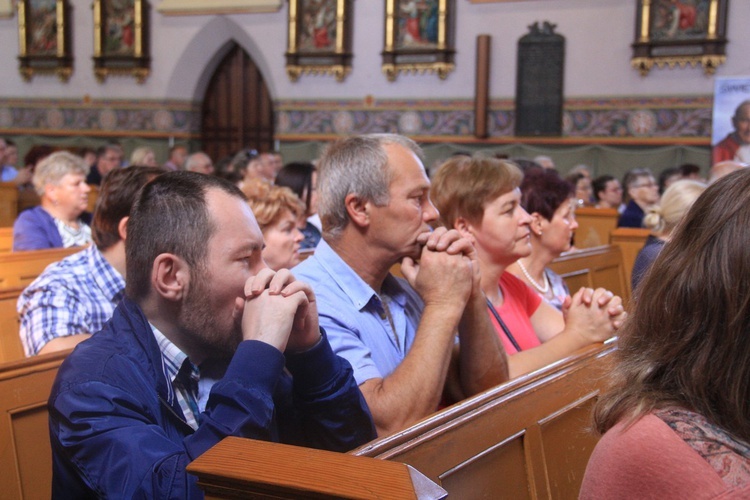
[676,421]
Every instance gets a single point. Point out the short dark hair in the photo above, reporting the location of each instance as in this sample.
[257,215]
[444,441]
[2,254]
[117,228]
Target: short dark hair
[543,191]
[117,194]
[110,146]
[686,342]
[600,184]
[170,216]
[688,169]
[297,176]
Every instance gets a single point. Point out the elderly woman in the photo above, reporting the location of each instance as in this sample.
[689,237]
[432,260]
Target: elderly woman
[550,201]
[676,419]
[277,211]
[302,179]
[480,198]
[662,220]
[60,220]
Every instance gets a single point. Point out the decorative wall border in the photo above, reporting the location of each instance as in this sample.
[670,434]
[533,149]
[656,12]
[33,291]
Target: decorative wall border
[684,119]
[116,118]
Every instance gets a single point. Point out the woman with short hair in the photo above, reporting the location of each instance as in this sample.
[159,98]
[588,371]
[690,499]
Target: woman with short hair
[277,210]
[550,201]
[480,198]
[61,219]
[676,419]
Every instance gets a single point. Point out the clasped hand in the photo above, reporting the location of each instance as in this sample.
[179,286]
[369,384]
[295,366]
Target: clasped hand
[280,311]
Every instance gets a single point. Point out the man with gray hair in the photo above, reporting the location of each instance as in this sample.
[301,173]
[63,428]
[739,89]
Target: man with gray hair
[399,335]
[199,162]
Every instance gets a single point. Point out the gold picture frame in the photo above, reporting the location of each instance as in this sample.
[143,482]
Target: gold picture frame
[320,38]
[121,41]
[676,33]
[419,37]
[44,38]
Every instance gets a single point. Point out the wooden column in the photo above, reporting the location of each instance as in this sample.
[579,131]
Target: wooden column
[482,91]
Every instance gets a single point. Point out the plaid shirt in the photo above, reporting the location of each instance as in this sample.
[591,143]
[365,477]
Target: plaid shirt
[73,296]
[184,376]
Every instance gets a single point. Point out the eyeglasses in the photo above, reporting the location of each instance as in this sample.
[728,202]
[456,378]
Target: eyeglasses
[646,185]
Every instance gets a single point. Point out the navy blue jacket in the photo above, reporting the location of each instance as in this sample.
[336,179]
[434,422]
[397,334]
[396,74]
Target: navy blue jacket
[117,429]
[632,216]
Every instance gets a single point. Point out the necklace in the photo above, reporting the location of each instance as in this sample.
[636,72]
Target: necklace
[542,289]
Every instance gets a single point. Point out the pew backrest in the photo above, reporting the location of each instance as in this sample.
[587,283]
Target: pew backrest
[630,240]
[25,452]
[528,438]
[11,348]
[8,203]
[6,239]
[594,226]
[596,267]
[19,269]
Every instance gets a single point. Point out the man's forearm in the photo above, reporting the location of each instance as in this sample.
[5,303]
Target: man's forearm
[483,362]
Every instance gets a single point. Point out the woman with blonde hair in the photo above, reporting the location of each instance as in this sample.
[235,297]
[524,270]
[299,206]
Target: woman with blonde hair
[676,419]
[480,198]
[143,157]
[662,219]
[60,220]
[277,210]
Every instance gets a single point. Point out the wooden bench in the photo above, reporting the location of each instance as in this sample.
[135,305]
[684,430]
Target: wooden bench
[528,438]
[594,226]
[596,267]
[6,239]
[25,452]
[19,269]
[630,240]
[8,203]
[93,196]
[11,348]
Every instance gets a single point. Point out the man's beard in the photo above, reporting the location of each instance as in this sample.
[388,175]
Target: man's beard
[201,324]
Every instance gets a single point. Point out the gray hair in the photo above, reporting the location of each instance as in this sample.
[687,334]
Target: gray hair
[195,159]
[355,165]
[53,168]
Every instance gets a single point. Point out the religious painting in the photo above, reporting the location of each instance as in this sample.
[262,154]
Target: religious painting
[419,37]
[680,32]
[730,133]
[44,38]
[121,38]
[319,38]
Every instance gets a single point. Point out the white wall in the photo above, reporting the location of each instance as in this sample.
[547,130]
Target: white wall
[598,33]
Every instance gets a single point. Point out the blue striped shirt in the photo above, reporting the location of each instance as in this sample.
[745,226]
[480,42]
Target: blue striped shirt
[76,295]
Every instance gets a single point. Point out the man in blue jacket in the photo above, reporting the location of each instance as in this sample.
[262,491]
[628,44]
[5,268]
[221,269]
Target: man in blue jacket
[196,352]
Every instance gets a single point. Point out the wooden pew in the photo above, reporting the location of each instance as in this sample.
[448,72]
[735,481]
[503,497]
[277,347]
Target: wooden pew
[594,226]
[93,196]
[596,267]
[11,348]
[8,203]
[630,240]
[19,269]
[25,452]
[528,438]
[6,239]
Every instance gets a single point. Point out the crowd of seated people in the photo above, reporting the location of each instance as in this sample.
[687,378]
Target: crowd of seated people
[214,306]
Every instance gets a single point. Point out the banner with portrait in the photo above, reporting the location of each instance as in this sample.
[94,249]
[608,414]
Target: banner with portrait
[731,119]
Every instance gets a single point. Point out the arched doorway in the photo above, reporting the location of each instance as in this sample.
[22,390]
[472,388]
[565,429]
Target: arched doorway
[237,109]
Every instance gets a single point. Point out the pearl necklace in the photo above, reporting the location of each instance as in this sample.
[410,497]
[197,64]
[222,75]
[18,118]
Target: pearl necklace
[542,289]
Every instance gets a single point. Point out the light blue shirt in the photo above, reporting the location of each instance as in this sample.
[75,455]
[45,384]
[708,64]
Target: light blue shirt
[354,317]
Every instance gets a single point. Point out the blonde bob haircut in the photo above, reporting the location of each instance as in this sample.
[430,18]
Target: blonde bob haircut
[53,168]
[463,186]
[269,202]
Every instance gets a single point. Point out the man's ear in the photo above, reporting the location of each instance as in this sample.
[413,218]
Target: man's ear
[465,228]
[358,210]
[170,277]
[122,228]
